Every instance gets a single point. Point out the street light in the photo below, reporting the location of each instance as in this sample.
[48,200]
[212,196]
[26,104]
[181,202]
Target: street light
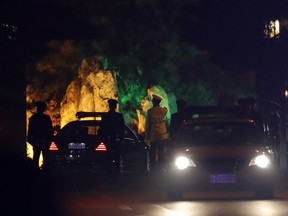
[272,29]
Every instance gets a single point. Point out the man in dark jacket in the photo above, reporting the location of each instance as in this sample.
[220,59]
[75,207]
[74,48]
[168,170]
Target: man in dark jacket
[112,133]
[177,118]
[40,134]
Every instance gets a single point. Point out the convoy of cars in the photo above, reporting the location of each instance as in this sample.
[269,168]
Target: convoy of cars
[78,145]
[219,148]
[215,148]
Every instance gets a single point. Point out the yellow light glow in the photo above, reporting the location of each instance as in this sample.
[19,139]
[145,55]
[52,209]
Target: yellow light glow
[277,27]
[29,153]
[272,29]
[286,93]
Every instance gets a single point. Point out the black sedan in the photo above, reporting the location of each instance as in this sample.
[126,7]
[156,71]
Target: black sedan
[217,152]
[78,145]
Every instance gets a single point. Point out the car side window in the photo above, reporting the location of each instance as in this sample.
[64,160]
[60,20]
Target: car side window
[129,134]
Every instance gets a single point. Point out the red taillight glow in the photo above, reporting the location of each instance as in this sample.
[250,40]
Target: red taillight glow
[53,147]
[101,147]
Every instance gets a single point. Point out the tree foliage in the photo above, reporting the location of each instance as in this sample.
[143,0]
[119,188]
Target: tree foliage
[50,75]
[145,41]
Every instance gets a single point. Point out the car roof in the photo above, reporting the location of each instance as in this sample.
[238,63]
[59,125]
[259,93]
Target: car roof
[231,111]
[219,120]
[88,123]
[96,115]
[217,114]
[84,122]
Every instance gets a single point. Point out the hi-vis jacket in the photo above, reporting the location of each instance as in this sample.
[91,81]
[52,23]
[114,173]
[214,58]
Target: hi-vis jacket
[156,129]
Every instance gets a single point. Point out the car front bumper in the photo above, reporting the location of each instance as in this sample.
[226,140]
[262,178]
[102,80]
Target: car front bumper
[197,179]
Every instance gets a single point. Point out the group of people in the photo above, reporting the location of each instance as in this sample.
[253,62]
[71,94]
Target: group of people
[40,134]
[157,132]
[40,131]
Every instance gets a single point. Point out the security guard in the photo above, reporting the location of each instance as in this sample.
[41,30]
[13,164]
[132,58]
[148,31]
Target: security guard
[156,134]
[112,133]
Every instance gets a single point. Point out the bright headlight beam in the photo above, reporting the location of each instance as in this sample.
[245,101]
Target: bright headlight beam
[261,161]
[182,162]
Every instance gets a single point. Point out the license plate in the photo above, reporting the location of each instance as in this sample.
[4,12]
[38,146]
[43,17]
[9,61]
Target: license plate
[76,146]
[223,178]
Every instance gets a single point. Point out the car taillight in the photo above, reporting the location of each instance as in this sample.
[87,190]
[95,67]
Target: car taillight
[53,147]
[101,147]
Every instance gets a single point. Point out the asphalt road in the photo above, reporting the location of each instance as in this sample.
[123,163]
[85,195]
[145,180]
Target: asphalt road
[144,195]
[76,193]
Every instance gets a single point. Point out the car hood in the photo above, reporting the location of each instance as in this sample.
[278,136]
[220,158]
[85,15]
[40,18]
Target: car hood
[221,151]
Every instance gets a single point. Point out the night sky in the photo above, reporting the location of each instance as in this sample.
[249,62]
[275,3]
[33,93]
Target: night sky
[231,29]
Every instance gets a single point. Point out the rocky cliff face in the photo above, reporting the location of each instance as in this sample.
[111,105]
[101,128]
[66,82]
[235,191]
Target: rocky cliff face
[89,92]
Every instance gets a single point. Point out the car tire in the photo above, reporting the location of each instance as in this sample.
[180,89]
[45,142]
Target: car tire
[264,192]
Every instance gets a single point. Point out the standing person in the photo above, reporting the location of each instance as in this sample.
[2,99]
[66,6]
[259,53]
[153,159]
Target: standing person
[250,103]
[156,134]
[274,125]
[40,134]
[256,116]
[177,118]
[112,132]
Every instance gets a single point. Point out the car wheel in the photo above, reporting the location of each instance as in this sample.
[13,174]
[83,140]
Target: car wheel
[174,194]
[264,192]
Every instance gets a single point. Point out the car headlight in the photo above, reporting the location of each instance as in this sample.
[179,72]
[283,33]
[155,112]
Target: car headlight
[261,161]
[182,162]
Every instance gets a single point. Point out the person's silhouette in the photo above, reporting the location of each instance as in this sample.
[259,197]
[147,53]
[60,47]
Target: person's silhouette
[112,133]
[177,118]
[40,134]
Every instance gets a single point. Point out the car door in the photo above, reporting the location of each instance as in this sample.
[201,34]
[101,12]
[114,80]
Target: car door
[134,152]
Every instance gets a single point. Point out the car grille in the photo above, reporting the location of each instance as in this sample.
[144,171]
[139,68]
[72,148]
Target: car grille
[227,165]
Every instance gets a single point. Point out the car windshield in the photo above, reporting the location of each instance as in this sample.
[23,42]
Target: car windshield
[80,129]
[219,133]
[91,128]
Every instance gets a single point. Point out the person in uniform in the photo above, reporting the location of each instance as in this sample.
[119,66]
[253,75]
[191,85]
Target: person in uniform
[156,134]
[40,134]
[112,133]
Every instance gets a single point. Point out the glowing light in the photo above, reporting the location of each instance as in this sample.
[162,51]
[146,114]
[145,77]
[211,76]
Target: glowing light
[101,147]
[53,147]
[272,29]
[29,153]
[183,162]
[261,161]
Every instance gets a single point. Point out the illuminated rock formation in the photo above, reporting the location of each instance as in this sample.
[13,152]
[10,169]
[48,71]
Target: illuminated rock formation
[93,87]
[89,92]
